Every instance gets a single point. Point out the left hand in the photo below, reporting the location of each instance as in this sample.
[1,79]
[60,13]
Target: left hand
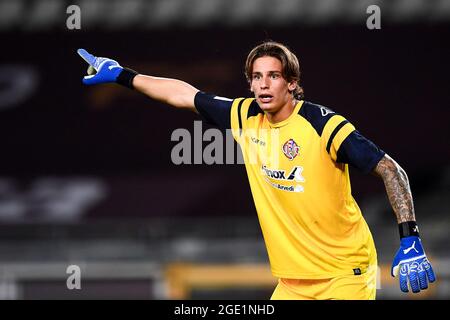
[413,265]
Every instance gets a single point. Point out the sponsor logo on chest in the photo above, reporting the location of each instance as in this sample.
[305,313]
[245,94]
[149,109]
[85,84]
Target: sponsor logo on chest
[295,174]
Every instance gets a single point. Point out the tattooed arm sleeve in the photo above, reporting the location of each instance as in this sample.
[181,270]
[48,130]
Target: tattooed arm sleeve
[397,188]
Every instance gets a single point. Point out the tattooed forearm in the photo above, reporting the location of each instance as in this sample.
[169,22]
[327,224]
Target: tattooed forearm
[397,188]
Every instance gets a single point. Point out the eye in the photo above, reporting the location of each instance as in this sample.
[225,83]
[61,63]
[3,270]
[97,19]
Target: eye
[256,77]
[274,75]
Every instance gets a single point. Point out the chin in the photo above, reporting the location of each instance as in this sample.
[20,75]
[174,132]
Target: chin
[266,106]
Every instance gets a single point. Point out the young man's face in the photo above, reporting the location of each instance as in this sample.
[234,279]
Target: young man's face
[270,88]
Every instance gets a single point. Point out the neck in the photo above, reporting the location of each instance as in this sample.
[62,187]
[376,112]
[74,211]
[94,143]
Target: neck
[283,113]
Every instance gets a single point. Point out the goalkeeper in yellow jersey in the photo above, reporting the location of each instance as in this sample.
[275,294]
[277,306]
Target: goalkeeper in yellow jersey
[297,155]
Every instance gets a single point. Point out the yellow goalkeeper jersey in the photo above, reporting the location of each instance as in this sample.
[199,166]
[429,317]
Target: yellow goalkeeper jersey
[312,226]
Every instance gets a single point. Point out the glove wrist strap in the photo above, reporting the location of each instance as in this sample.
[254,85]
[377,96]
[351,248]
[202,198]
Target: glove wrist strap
[407,229]
[126,77]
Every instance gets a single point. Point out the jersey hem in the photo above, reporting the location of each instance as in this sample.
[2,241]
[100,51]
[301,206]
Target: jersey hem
[285,275]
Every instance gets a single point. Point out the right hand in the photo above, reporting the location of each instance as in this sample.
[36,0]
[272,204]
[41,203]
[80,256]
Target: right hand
[101,70]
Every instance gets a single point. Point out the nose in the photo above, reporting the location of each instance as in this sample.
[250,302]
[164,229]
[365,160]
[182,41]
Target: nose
[265,83]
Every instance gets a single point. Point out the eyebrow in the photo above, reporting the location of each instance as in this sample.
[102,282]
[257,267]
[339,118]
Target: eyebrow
[272,71]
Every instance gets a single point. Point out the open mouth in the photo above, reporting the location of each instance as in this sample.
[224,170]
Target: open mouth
[265,98]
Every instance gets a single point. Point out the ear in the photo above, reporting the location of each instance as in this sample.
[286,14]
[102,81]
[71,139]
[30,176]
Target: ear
[292,85]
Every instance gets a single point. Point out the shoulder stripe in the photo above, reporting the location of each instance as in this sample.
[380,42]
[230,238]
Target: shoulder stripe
[329,127]
[239,115]
[335,131]
[234,118]
[339,138]
[317,115]
[254,109]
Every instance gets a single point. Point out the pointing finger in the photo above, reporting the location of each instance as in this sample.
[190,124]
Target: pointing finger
[89,58]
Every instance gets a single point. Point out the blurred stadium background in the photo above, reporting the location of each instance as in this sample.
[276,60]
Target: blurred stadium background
[86,177]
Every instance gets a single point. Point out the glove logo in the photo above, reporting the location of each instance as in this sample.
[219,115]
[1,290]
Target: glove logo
[405,251]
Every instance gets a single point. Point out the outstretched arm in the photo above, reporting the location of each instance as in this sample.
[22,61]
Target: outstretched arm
[397,188]
[174,92]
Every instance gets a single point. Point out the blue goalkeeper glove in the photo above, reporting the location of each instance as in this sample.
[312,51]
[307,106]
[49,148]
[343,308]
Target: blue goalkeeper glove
[105,70]
[413,265]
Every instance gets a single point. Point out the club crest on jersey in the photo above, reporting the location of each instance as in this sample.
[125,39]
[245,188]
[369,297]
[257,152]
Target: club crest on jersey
[290,149]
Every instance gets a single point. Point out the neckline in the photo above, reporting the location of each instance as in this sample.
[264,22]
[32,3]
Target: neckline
[286,121]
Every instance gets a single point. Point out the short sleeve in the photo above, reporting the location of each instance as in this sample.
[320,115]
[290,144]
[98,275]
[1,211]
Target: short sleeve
[214,109]
[335,131]
[340,139]
[359,152]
